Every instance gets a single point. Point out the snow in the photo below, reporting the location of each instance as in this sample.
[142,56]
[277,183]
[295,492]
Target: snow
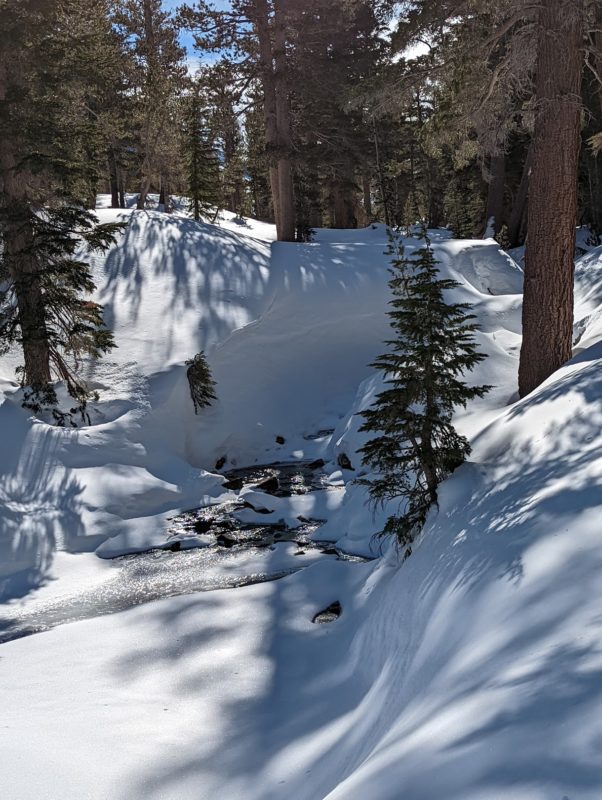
[471,671]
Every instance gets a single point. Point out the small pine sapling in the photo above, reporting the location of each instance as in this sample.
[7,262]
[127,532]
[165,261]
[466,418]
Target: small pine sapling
[200,381]
[416,446]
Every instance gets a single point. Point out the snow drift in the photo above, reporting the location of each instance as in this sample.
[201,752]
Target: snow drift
[471,671]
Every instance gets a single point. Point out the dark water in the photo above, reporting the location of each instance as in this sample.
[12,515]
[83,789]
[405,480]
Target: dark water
[236,554]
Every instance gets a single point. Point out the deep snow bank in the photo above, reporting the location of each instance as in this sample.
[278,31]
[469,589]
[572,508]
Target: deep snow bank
[289,331]
[471,672]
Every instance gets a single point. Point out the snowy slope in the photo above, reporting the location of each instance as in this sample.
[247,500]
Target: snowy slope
[474,670]
[470,672]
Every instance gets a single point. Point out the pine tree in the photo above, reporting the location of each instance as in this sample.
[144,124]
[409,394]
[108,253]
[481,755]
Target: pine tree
[46,177]
[200,158]
[200,381]
[417,446]
[156,75]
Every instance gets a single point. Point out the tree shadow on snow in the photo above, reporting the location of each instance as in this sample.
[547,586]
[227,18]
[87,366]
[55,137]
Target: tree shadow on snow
[462,676]
[41,503]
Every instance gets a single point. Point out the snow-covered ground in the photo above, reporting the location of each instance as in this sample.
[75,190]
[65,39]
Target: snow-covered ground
[473,671]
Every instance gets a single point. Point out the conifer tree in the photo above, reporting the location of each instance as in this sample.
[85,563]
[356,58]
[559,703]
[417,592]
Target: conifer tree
[45,177]
[200,158]
[200,380]
[416,446]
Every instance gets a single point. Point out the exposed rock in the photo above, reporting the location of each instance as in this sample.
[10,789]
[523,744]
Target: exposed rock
[344,462]
[235,484]
[317,464]
[330,551]
[202,525]
[280,440]
[225,541]
[269,484]
[220,462]
[258,510]
[321,434]
[329,614]
[174,546]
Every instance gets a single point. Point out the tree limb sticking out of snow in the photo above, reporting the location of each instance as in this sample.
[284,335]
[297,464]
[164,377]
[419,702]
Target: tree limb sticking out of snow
[200,381]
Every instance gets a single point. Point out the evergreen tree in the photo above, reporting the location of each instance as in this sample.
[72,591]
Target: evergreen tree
[200,158]
[417,446]
[200,381]
[156,76]
[46,177]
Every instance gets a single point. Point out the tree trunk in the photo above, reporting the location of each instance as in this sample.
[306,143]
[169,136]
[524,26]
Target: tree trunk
[549,259]
[367,195]
[261,24]
[164,197]
[19,256]
[283,121]
[343,194]
[144,189]
[494,214]
[381,179]
[25,272]
[122,198]
[113,179]
[518,215]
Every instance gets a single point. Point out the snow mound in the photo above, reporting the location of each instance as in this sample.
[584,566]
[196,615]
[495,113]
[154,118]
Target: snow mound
[472,671]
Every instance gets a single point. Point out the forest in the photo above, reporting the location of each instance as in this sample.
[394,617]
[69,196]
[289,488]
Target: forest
[300,399]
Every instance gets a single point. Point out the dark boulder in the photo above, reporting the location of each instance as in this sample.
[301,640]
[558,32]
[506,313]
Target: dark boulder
[328,614]
[344,462]
[269,484]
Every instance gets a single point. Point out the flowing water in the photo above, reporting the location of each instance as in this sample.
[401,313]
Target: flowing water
[235,554]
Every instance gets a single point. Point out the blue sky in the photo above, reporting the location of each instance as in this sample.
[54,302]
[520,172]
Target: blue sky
[186,38]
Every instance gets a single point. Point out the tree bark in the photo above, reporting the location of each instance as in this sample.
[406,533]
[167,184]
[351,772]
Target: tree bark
[19,252]
[549,259]
[367,195]
[261,23]
[113,179]
[494,213]
[283,121]
[518,215]
[343,195]
[273,69]
[122,193]
[381,179]
[144,189]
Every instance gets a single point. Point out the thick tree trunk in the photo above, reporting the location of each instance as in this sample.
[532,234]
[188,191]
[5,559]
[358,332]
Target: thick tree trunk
[549,259]
[273,69]
[25,272]
[164,197]
[518,216]
[343,195]
[283,121]
[19,256]
[494,213]
[261,24]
